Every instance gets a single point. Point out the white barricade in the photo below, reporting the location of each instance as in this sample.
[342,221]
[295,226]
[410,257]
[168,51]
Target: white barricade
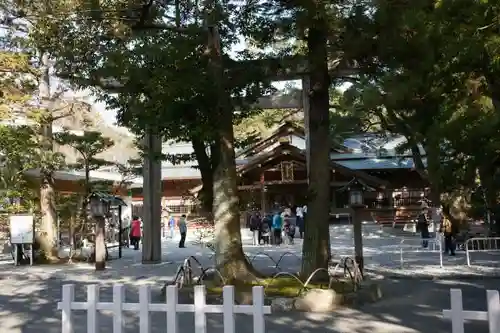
[481,244]
[416,245]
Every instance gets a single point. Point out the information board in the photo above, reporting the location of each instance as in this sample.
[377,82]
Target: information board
[21,229]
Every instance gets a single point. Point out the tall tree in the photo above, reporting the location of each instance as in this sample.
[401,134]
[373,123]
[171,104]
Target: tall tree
[185,106]
[423,75]
[34,65]
[89,145]
[310,28]
[18,151]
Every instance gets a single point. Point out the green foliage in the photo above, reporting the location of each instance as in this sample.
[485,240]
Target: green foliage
[14,91]
[160,77]
[427,71]
[89,144]
[18,153]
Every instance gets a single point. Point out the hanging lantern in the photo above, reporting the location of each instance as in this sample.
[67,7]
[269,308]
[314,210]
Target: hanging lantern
[355,189]
[98,206]
[356,194]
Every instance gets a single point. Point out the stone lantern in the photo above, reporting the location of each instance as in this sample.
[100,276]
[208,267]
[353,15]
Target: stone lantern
[356,189]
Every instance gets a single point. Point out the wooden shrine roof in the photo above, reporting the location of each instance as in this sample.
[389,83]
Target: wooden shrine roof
[284,130]
[287,152]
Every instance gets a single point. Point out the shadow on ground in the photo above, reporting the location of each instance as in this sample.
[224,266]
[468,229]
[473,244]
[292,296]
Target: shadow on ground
[29,295]
[28,304]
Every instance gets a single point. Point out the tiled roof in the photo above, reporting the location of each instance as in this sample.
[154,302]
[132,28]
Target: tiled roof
[379,163]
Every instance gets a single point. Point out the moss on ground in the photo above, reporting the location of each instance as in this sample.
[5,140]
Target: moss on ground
[278,287]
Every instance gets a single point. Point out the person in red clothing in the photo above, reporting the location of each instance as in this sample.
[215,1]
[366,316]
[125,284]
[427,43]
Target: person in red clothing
[135,232]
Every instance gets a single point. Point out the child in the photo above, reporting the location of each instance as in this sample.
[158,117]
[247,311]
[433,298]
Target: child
[291,232]
[171,225]
[266,233]
[288,231]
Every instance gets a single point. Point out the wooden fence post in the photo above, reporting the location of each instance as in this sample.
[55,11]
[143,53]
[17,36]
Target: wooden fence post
[118,300]
[200,320]
[457,311]
[68,297]
[493,300]
[228,309]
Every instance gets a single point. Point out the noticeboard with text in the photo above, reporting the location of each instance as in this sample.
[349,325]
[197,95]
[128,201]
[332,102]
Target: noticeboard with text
[21,229]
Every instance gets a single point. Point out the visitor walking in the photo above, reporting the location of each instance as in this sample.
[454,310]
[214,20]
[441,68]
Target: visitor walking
[171,225]
[183,230]
[423,227]
[449,232]
[277,224]
[135,232]
[255,226]
[299,215]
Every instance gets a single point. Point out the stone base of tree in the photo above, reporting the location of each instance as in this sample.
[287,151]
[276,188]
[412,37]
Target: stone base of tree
[326,300]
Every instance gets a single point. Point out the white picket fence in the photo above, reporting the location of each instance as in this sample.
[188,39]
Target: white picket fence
[119,307]
[458,315]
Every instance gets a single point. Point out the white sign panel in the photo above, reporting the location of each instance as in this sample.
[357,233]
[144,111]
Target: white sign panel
[21,229]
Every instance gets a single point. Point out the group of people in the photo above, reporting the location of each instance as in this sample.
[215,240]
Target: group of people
[448,229]
[278,227]
[135,235]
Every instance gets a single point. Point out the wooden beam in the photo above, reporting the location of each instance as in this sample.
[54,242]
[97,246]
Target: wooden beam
[275,69]
[291,68]
[258,186]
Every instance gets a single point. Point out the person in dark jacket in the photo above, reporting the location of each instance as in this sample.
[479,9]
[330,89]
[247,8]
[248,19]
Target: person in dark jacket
[423,227]
[255,226]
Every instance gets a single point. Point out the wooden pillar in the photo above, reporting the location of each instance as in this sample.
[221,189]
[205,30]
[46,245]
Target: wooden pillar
[333,192]
[120,226]
[390,199]
[151,245]
[358,236]
[100,243]
[263,196]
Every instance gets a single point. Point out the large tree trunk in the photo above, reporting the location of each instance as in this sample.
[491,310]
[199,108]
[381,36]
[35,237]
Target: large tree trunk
[316,249]
[152,193]
[229,256]
[486,177]
[46,237]
[206,194]
[433,153]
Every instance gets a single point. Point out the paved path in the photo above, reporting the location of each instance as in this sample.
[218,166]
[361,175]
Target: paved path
[28,306]
[28,295]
